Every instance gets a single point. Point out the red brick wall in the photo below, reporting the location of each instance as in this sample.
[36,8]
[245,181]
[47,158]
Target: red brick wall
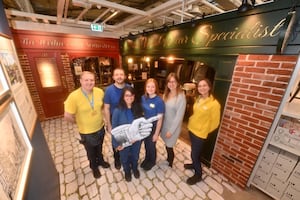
[258,85]
[24,62]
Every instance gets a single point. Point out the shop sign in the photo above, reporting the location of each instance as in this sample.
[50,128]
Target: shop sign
[246,32]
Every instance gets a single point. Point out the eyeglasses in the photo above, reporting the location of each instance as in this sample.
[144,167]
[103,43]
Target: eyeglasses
[129,95]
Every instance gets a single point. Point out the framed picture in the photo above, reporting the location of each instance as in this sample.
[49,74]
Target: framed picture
[3,83]
[78,70]
[15,153]
[13,73]
[12,69]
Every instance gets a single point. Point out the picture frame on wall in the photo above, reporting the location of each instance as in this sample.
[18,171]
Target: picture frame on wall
[13,73]
[12,69]
[4,88]
[15,152]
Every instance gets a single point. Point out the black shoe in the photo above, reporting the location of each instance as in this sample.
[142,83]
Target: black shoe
[136,173]
[96,173]
[188,166]
[148,166]
[143,164]
[117,164]
[128,177]
[170,164]
[104,164]
[194,179]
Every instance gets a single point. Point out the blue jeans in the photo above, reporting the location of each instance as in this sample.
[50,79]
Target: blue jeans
[196,150]
[130,156]
[93,145]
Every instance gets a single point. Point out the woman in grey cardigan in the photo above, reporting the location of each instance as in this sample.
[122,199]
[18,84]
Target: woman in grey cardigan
[175,103]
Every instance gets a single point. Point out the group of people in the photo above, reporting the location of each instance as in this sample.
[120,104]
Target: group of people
[96,112]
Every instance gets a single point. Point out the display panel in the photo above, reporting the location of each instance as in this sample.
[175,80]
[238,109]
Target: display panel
[15,152]
[16,83]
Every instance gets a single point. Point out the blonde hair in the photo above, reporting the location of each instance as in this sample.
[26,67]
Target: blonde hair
[86,72]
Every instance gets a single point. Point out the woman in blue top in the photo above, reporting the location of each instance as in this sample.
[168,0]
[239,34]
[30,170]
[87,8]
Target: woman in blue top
[153,105]
[128,110]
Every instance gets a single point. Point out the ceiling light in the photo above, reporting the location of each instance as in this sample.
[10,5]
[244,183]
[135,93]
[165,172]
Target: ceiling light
[245,6]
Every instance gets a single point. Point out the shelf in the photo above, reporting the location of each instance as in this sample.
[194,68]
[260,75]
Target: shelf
[264,191]
[286,148]
[292,109]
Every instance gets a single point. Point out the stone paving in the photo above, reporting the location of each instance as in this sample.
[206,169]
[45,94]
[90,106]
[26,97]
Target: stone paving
[160,183]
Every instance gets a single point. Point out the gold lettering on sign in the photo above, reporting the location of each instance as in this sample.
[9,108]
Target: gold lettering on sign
[51,43]
[27,42]
[183,40]
[206,36]
[100,46]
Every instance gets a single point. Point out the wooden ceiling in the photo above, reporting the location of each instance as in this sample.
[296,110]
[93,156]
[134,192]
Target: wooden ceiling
[118,17]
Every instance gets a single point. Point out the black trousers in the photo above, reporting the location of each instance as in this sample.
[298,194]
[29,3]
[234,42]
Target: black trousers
[196,150]
[93,145]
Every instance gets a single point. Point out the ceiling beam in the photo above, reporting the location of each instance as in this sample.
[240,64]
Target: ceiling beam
[212,6]
[184,13]
[111,16]
[150,14]
[60,9]
[57,28]
[117,6]
[83,12]
[66,9]
[25,5]
[102,15]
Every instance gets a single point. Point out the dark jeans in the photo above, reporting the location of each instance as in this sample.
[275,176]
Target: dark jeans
[196,150]
[150,148]
[93,145]
[130,157]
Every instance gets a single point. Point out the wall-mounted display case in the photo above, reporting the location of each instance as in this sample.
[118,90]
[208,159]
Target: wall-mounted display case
[102,67]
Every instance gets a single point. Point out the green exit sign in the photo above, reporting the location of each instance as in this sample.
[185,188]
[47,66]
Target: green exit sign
[97,27]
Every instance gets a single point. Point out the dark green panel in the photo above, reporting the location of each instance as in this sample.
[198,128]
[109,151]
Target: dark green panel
[221,89]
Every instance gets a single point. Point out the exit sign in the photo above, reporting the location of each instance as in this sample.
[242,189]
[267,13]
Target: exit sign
[97,27]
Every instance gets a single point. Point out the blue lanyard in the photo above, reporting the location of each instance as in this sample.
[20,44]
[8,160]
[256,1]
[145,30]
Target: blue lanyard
[92,101]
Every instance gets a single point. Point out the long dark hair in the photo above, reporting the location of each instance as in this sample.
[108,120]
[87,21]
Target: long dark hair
[167,90]
[136,106]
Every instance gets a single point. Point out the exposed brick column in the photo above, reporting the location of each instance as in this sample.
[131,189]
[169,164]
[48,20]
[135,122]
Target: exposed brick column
[24,62]
[67,70]
[258,85]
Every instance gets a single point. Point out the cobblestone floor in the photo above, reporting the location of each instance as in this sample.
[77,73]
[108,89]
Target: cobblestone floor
[161,182]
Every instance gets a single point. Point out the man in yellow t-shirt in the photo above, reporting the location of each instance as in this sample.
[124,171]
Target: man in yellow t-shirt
[84,106]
